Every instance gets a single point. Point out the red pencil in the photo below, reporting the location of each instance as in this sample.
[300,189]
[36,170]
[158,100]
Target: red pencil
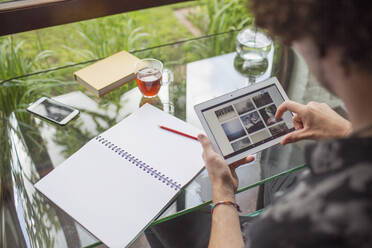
[178,132]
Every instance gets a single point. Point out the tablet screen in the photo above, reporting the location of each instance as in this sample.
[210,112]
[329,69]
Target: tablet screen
[247,121]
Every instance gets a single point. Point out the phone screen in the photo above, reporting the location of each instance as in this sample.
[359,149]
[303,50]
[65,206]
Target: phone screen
[52,110]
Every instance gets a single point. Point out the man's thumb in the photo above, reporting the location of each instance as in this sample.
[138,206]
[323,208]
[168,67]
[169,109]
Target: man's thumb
[205,142]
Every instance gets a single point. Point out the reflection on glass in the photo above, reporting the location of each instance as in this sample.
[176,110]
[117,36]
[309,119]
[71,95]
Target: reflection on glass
[156,102]
[39,224]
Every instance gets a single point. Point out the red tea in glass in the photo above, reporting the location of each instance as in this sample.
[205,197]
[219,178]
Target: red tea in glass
[150,76]
[149,81]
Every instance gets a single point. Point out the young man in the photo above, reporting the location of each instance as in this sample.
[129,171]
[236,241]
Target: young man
[332,206]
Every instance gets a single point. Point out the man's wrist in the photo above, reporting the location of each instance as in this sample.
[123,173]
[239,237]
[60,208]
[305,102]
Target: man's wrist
[223,193]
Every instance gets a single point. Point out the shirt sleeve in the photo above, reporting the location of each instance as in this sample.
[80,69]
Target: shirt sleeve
[325,211]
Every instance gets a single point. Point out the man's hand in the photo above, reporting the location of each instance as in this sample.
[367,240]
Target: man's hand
[313,121]
[223,177]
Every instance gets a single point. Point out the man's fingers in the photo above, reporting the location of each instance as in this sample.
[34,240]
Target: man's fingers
[241,162]
[297,122]
[295,136]
[206,143]
[291,106]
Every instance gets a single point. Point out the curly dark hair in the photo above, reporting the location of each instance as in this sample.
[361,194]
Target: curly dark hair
[346,24]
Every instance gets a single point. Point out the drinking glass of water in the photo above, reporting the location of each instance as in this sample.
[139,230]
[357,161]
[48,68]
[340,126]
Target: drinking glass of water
[253,45]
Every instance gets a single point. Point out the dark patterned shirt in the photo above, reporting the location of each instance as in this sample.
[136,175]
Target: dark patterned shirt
[331,206]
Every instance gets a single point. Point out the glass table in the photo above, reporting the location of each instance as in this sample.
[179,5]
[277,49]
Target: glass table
[203,67]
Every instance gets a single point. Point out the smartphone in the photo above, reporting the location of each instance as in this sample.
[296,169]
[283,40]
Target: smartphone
[52,110]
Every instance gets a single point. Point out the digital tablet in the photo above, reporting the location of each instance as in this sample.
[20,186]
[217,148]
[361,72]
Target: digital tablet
[243,122]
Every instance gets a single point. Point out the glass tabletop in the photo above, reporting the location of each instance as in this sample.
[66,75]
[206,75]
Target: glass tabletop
[203,68]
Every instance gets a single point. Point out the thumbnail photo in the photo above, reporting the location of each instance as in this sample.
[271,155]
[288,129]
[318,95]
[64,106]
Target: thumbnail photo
[244,106]
[262,99]
[279,129]
[233,129]
[268,114]
[252,122]
[225,114]
[240,144]
[260,136]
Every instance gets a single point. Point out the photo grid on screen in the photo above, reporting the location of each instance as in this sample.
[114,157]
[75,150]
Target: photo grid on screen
[249,121]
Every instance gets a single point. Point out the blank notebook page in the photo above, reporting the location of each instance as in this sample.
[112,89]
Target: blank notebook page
[174,155]
[114,196]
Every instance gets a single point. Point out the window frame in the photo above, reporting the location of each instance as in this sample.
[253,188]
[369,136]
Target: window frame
[25,15]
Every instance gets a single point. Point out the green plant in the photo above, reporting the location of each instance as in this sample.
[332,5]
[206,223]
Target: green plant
[14,62]
[106,36]
[227,15]
[216,16]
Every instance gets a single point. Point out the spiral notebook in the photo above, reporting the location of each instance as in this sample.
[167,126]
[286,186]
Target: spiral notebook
[121,180]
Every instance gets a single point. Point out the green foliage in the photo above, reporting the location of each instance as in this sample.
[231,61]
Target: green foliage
[216,16]
[14,62]
[106,36]
[227,15]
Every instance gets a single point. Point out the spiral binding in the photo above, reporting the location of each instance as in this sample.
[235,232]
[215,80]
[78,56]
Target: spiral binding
[139,164]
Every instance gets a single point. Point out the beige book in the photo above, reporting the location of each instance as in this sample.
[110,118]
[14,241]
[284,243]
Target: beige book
[108,74]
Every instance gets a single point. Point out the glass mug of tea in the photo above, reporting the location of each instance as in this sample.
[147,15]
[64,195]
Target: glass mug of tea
[150,76]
